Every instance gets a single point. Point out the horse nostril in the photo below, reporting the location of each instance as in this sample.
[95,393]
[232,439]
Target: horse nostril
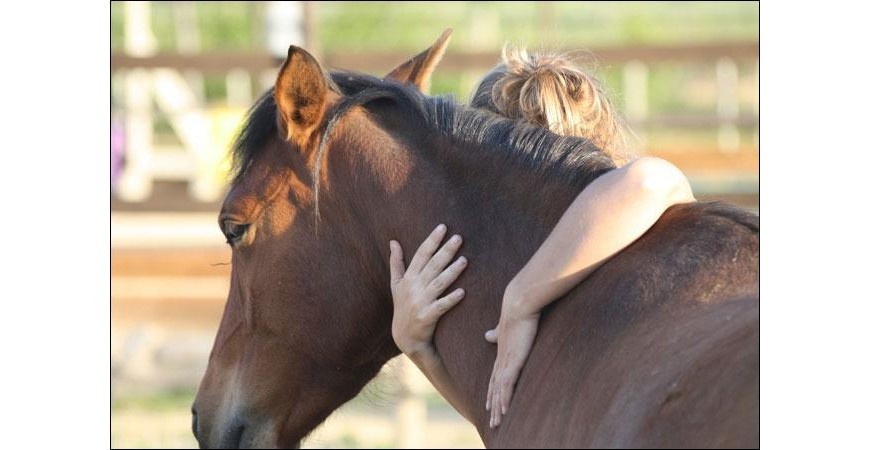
[235,437]
[193,412]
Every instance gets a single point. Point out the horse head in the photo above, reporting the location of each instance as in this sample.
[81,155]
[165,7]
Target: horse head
[306,323]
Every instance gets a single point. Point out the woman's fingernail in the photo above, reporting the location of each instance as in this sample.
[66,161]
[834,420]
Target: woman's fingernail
[440,228]
[462,261]
[461,293]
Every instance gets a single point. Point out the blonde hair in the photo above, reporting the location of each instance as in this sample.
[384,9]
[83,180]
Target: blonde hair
[551,90]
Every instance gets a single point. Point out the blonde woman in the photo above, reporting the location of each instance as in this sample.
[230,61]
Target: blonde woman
[553,92]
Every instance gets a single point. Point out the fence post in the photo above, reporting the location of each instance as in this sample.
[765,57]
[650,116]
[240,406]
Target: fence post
[139,40]
[188,43]
[727,105]
[284,26]
[136,181]
[636,80]
[239,88]
[411,409]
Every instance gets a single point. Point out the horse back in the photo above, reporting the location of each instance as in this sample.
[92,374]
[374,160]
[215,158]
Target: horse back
[657,348]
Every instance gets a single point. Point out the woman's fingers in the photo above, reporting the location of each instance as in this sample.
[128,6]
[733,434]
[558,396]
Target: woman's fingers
[442,258]
[502,385]
[490,390]
[427,249]
[492,397]
[497,409]
[447,277]
[514,346]
[397,264]
[493,407]
[442,305]
[506,386]
[493,404]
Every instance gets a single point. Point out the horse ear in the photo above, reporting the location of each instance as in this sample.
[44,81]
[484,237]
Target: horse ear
[418,70]
[300,93]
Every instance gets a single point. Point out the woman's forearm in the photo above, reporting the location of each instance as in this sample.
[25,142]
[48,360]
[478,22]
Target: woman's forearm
[606,217]
[431,365]
[417,308]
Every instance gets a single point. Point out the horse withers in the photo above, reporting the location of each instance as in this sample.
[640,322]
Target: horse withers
[658,347]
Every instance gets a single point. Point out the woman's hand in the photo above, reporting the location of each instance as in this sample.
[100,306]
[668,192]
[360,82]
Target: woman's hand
[416,306]
[514,335]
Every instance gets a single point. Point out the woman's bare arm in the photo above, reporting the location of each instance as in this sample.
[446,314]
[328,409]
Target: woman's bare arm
[607,216]
[417,308]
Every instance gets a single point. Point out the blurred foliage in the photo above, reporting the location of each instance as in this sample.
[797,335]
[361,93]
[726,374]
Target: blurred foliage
[412,25]
[670,90]
[231,25]
[220,26]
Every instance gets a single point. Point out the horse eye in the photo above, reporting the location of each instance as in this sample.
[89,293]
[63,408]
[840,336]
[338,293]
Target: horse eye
[234,231]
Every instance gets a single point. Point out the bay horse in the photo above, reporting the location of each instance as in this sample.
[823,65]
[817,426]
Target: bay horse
[659,347]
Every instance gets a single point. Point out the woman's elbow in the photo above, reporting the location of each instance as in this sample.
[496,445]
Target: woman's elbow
[659,180]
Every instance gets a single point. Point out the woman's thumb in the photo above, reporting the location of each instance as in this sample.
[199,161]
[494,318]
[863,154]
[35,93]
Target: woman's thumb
[491,336]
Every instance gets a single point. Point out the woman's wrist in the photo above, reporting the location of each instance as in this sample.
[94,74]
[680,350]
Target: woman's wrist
[517,301]
[412,348]
[423,356]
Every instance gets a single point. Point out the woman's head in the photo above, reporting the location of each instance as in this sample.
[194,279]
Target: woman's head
[551,91]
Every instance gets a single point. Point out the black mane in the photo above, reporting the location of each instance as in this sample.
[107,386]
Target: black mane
[259,126]
[572,159]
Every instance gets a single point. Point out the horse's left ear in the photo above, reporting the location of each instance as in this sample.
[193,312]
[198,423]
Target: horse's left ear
[418,70]
[300,93]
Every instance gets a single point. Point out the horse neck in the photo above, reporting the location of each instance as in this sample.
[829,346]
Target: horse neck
[504,212]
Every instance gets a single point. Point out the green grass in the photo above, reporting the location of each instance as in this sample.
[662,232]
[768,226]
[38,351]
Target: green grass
[161,401]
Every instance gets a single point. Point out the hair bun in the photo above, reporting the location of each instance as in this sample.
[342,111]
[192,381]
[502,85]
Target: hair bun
[552,91]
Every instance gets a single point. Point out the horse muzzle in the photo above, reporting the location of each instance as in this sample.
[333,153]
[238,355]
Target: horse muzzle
[234,433]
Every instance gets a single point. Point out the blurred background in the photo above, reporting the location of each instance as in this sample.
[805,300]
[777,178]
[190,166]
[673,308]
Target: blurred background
[684,74]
